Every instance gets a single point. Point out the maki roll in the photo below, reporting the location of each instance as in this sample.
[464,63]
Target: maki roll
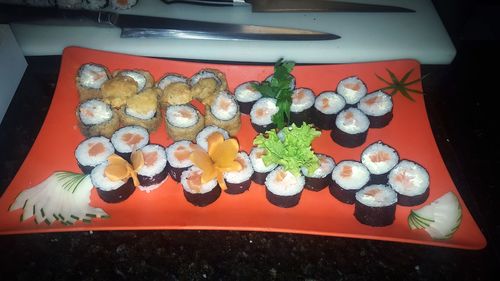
[154,169]
[183,122]
[92,152]
[326,107]
[117,90]
[207,84]
[411,182]
[111,190]
[351,128]
[239,181]
[178,158]
[375,205]
[207,132]
[143,78]
[321,177]
[128,139]
[347,178]
[175,90]
[247,95]
[283,189]
[260,169]
[224,113]
[97,118]
[378,107]
[262,113]
[89,80]
[379,158]
[142,110]
[196,193]
[352,89]
[302,108]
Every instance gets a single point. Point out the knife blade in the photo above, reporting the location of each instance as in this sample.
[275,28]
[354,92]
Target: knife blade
[260,6]
[136,26]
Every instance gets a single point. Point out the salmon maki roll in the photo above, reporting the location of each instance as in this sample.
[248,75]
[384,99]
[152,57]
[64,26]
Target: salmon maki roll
[97,118]
[378,107]
[348,177]
[92,152]
[261,115]
[154,170]
[128,139]
[247,95]
[178,159]
[379,158]
[326,107]
[352,89]
[351,128]
[284,189]
[197,193]
[411,182]
[183,122]
[375,205]
[302,108]
[239,181]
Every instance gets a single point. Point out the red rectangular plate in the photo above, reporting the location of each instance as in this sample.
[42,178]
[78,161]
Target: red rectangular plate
[166,208]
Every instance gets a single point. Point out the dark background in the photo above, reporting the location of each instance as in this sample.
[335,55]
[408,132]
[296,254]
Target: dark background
[461,100]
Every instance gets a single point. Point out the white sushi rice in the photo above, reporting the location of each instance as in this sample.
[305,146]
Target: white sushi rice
[409,178]
[169,79]
[257,162]
[246,93]
[356,180]
[373,157]
[138,77]
[83,155]
[351,96]
[359,123]
[93,112]
[201,138]
[207,187]
[268,106]
[299,105]
[288,186]
[99,179]
[377,195]
[218,110]
[326,167]
[177,119]
[160,163]
[172,159]
[92,76]
[243,174]
[118,141]
[333,101]
[144,116]
[376,104]
[204,74]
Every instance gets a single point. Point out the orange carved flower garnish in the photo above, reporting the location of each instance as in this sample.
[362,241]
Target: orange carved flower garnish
[119,169]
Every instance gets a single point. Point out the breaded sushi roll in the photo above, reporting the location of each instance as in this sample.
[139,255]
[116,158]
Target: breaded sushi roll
[261,115]
[379,158]
[284,189]
[178,157]
[224,113]
[207,84]
[97,118]
[321,177]
[183,122]
[207,132]
[92,152]
[174,90]
[143,78]
[154,170]
[378,107]
[261,170]
[117,90]
[142,110]
[411,182]
[89,80]
[351,128]
[247,95]
[375,205]
[302,108]
[352,89]
[128,139]
[348,177]
[239,181]
[109,189]
[326,107]
[197,193]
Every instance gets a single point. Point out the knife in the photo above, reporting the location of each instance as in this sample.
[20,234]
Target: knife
[135,26]
[300,6]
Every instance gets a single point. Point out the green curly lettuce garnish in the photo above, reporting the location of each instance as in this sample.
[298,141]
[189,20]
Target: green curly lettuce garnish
[279,88]
[291,148]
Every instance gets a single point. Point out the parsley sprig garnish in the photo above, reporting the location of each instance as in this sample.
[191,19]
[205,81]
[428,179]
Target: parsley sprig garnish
[401,86]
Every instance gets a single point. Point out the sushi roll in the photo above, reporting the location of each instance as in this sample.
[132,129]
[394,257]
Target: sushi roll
[96,118]
[283,189]
[89,80]
[260,169]
[174,90]
[183,122]
[378,107]
[239,181]
[197,193]
[326,107]
[92,152]
[203,135]
[117,90]
[123,4]
[109,190]
[154,171]
[411,182]
[178,158]
[302,108]
[348,177]
[352,89]
[142,110]
[375,205]
[321,177]
[261,115]
[351,128]
[143,78]
[224,113]
[379,158]
[207,84]
[128,139]
[246,96]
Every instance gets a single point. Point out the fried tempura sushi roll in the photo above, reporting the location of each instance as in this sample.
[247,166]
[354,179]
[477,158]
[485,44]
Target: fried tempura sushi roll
[207,84]
[89,80]
[224,113]
[97,118]
[142,109]
[117,90]
[174,90]
[183,122]
[143,78]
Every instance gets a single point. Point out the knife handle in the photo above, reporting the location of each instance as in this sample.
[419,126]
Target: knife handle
[208,2]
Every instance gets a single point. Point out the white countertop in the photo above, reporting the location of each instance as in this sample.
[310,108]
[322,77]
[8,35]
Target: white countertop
[365,36]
